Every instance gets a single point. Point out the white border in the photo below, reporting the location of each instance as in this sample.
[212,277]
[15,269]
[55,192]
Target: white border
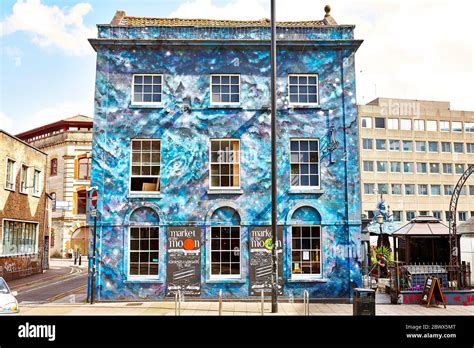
[160,250]
[145,193]
[290,104]
[309,187]
[146,103]
[36,239]
[224,103]
[209,259]
[307,276]
[6,173]
[224,188]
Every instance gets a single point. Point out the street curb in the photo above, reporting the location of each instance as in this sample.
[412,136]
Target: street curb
[26,286]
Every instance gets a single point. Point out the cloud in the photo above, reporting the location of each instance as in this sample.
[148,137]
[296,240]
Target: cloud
[5,122]
[55,113]
[50,26]
[420,49]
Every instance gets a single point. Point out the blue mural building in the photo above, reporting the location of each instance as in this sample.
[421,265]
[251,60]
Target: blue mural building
[181,158]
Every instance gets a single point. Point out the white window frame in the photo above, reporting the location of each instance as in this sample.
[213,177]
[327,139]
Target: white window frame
[402,148]
[27,178]
[386,145]
[413,167]
[427,190]
[431,122]
[224,188]
[303,103]
[439,168]
[400,166]
[431,190]
[35,251]
[437,146]
[442,128]
[309,187]
[364,141]
[384,167]
[209,258]
[160,250]
[416,126]
[450,147]
[370,164]
[460,128]
[416,146]
[452,170]
[469,127]
[405,190]
[365,118]
[426,168]
[390,145]
[144,176]
[392,123]
[6,174]
[37,188]
[454,147]
[152,103]
[296,276]
[396,194]
[230,93]
[404,120]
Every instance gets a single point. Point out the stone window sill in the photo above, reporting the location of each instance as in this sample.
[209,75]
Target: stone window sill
[225,192]
[305,191]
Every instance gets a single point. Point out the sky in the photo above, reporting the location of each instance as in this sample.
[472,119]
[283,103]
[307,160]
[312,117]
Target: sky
[418,49]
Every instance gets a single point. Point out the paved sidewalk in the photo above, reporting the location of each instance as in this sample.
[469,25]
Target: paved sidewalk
[230,308]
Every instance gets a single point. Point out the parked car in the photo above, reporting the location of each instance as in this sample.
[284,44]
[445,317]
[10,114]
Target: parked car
[8,302]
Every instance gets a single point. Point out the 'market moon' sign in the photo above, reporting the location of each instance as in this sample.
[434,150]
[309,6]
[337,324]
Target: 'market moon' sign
[261,259]
[184,260]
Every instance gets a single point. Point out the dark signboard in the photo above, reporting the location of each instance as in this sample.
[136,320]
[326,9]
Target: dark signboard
[184,260]
[261,259]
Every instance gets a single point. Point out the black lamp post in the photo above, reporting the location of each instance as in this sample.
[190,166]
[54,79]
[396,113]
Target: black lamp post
[274,160]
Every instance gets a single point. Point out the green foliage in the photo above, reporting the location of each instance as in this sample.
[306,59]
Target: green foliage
[382,250]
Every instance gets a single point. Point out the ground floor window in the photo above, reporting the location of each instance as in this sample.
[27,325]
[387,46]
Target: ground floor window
[19,237]
[225,251]
[144,251]
[306,250]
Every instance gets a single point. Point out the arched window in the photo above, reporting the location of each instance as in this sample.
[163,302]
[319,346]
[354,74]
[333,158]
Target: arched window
[225,244]
[83,167]
[144,247]
[54,167]
[306,243]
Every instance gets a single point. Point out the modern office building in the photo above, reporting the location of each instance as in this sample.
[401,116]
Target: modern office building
[24,228]
[414,152]
[181,158]
[68,144]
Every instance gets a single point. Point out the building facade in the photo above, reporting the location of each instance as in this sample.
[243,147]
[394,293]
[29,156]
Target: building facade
[181,158]
[68,144]
[414,152]
[24,230]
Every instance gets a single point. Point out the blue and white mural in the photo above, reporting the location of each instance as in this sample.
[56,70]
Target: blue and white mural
[186,121]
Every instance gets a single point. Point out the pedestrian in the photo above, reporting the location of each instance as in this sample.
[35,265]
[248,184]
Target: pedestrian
[70,253]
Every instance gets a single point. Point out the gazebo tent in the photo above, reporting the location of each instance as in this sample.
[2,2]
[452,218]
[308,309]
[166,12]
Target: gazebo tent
[466,232]
[423,240]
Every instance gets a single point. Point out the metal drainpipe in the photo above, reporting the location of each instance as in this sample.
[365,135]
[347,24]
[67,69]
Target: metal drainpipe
[345,174]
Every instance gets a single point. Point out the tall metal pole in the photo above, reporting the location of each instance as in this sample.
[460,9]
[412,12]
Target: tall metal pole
[94,251]
[274,161]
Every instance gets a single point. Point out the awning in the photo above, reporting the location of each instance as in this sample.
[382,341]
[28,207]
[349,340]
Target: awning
[423,226]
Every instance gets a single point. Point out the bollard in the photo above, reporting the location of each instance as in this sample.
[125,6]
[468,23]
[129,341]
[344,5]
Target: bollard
[220,302]
[306,302]
[176,303]
[179,302]
[262,302]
